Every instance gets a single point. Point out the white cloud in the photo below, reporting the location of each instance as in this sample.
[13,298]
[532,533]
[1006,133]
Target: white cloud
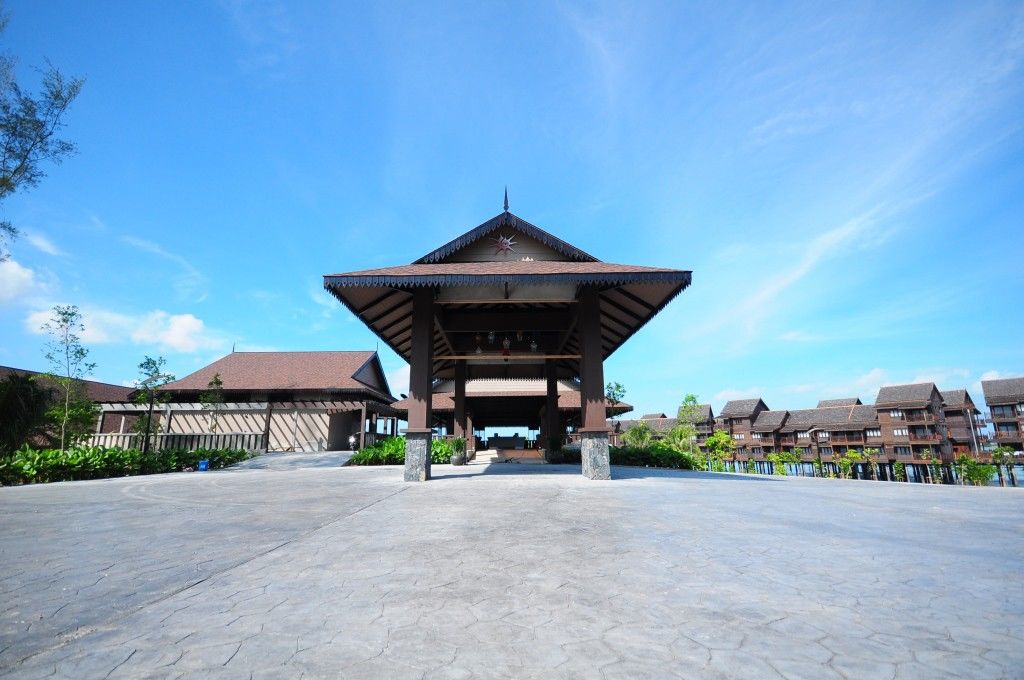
[41,242]
[16,281]
[865,386]
[183,333]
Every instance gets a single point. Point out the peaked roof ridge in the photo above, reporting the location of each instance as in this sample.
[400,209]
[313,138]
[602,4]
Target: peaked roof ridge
[510,220]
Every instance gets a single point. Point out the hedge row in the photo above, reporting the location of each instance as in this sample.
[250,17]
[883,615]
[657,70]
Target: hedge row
[656,455]
[33,466]
[391,451]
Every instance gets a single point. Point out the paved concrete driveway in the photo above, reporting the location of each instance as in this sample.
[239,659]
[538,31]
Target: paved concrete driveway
[509,571]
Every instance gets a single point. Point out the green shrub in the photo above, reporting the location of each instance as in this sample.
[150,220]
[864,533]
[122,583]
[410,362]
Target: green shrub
[390,451]
[31,466]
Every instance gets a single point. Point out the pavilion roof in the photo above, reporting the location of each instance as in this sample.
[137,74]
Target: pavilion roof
[547,282]
[503,221]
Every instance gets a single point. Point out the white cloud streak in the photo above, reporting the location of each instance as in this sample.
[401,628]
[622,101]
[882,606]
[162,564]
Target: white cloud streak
[184,333]
[190,284]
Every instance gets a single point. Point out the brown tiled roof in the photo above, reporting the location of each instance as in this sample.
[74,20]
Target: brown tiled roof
[270,371]
[740,408]
[96,391]
[848,401]
[653,416]
[769,421]
[1004,390]
[469,273]
[832,418]
[905,394]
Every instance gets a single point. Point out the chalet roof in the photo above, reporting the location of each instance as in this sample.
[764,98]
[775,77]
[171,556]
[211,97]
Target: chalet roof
[740,408]
[769,421]
[864,414]
[847,401]
[95,391]
[959,399]
[506,220]
[653,416]
[1004,390]
[903,394]
[280,371]
[831,418]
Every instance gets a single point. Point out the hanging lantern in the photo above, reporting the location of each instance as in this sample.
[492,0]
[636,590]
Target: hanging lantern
[506,347]
[490,337]
[519,336]
[533,345]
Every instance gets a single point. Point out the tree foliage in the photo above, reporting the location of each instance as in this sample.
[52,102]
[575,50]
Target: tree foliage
[720,445]
[23,404]
[687,417]
[614,393]
[638,435]
[72,415]
[213,400]
[29,125]
[152,377]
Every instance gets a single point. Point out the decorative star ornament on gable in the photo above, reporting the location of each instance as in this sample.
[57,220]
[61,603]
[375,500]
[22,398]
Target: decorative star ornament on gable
[503,244]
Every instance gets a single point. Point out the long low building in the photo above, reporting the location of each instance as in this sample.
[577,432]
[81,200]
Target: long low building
[293,401]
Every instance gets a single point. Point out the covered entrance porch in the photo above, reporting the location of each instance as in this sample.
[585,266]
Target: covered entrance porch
[507,302]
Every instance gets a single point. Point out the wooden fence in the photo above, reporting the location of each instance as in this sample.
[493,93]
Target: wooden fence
[250,441]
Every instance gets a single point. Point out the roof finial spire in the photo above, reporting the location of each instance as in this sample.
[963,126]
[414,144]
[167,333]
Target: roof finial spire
[506,198]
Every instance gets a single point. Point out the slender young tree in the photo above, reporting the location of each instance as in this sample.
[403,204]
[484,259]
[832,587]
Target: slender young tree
[614,393]
[151,378]
[29,125]
[213,400]
[73,414]
[687,417]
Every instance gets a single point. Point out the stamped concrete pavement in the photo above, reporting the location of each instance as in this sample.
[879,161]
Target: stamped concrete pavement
[497,571]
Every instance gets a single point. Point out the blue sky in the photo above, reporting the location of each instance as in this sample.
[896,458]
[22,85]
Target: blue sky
[846,182]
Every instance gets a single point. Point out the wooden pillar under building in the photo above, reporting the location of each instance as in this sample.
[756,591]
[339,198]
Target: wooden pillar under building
[553,433]
[594,431]
[459,429]
[421,374]
[362,427]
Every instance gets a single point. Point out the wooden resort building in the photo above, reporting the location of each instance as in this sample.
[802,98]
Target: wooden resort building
[276,401]
[507,301]
[1005,400]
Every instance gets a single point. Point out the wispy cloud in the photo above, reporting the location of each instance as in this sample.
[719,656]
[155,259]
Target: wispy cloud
[42,243]
[266,29]
[190,284]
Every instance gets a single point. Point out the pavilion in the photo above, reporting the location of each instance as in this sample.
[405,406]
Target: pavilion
[507,300]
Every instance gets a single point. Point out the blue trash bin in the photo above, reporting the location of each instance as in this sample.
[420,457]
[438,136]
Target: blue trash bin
[204,465]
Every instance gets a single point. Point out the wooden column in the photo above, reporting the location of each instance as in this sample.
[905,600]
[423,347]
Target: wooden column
[418,434]
[594,431]
[362,427]
[470,433]
[460,399]
[552,426]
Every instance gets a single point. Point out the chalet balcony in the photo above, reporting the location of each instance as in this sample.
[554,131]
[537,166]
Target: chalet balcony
[918,417]
[843,438]
[1007,436]
[928,438]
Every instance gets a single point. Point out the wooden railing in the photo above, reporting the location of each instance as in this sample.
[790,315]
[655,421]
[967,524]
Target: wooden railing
[250,441]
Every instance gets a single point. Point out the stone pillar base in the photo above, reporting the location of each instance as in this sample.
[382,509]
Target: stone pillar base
[417,456]
[595,455]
